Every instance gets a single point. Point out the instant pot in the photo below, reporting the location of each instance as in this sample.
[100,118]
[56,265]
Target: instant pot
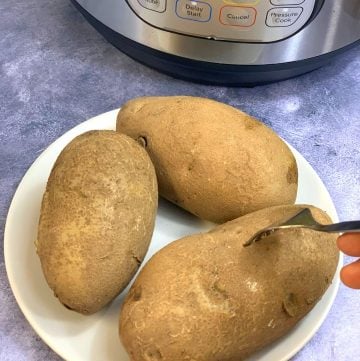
[233,42]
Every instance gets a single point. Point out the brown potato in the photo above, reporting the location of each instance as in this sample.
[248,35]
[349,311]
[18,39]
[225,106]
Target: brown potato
[97,218]
[207,298]
[211,159]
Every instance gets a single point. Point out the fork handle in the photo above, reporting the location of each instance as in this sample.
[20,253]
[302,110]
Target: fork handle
[351,226]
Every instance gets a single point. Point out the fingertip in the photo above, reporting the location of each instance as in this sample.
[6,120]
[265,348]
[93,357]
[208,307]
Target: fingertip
[350,275]
[349,243]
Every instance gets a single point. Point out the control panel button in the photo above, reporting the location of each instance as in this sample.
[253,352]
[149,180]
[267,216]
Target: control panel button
[282,17]
[237,16]
[287,2]
[242,2]
[242,21]
[193,10]
[155,5]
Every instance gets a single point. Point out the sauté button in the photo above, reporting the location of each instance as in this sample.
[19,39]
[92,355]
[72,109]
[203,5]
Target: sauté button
[155,5]
[193,10]
[237,16]
[287,2]
[282,17]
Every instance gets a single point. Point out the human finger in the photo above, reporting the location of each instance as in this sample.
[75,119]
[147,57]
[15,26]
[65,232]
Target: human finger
[349,243]
[350,275]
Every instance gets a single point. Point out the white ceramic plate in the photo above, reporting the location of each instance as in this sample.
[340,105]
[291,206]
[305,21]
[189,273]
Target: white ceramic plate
[93,338]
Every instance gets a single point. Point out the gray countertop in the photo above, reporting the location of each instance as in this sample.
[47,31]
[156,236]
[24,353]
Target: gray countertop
[56,72]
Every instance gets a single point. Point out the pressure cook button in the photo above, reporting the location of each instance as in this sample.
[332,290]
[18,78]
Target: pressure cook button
[193,10]
[155,5]
[281,17]
[287,2]
[237,16]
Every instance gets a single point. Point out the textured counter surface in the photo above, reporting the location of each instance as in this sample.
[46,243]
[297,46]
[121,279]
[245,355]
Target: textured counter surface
[56,72]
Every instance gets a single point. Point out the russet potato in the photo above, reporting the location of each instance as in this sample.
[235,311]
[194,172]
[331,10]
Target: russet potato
[97,218]
[211,159]
[207,298]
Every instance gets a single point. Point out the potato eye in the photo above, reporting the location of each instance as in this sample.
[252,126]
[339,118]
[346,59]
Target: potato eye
[142,141]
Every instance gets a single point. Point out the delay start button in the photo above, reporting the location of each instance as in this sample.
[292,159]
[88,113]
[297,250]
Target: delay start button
[237,16]
[281,17]
[193,10]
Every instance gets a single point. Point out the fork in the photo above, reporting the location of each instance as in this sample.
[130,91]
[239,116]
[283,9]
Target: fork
[303,219]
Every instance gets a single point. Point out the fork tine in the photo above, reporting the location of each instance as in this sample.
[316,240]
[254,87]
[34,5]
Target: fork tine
[298,219]
[259,235]
[303,217]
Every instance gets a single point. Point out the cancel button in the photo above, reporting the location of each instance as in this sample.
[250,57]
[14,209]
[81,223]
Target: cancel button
[237,16]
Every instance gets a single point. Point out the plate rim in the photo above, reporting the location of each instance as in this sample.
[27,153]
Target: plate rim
[66,138]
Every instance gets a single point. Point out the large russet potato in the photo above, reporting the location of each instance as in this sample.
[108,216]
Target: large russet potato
[211,159]
[97,218]
[207,298]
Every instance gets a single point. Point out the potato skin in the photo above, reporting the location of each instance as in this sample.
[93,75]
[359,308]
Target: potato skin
[211,159]
[207,298]
[97,218]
